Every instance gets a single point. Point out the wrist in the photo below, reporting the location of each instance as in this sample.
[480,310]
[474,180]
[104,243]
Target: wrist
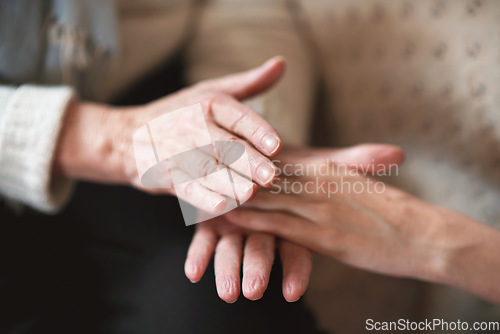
[86,144]
[446,246]
[467,258]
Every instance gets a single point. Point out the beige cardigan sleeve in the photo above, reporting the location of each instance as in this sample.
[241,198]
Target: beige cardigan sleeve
[236,35]
[30,120]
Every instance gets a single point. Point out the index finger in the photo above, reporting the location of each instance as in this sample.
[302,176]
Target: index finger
[245,122]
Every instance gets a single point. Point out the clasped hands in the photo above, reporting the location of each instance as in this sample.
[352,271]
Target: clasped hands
[248,237]
[365,224]
[377,228]
[389,232]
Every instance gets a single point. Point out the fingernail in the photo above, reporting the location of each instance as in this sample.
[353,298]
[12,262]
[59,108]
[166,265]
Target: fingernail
[266,172]
[217,203]
[271,143]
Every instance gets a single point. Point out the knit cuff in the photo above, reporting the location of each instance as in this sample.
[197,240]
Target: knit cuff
[29,129]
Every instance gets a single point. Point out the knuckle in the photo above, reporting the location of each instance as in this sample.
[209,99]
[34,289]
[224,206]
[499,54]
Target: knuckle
[211,99]
[241,115]
[207,167]
[243,218]
[255,134]
[189,189]
[335,237]
[256,159]
[322,211]
[226,150]
[226,243]
[249,218]
[255,248]
[266,222]
[215,97]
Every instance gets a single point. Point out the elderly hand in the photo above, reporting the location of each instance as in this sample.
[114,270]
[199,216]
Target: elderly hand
[96,140]
[233,244]
[376,227]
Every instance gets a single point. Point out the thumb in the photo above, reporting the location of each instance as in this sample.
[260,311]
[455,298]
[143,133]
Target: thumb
[369,158]
[250,83]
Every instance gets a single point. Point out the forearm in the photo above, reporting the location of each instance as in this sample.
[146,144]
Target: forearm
[390,232]
[472,261]
[477,267]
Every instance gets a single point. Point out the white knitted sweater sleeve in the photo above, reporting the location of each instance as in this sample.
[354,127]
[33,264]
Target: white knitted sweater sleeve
[30,122]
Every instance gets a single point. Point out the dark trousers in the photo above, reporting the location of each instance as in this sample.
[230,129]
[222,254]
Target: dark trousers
[112,262]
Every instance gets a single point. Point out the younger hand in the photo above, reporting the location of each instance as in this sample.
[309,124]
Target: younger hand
[232,244]
[386,231]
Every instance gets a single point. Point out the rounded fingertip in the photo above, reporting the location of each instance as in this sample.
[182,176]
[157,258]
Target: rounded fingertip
[292,293]
[228,290]
[217,205]
[253,295]
[275,61]
[254,193]
[389,158]
[399,155]
[292,299]
[266,173]
[383,154]
[246,191]
[278,63]
[253,289]
[237,217]
[390,153]
[192,271]
[193,280]
[230,299]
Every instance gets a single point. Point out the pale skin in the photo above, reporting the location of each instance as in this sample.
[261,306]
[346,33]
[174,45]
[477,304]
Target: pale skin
[96,145]
[96,140]
[235,247]
[390,232]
